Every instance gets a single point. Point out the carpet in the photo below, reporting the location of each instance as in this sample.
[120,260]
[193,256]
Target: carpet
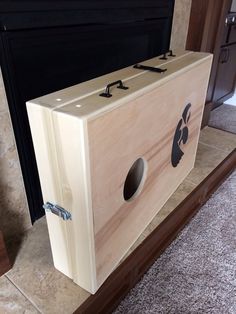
[197,272]
[224,118]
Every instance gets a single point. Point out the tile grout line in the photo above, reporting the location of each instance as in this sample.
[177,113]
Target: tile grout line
[22,293]
[192,182]
[212,146]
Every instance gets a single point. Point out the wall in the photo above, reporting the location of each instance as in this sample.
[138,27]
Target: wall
[180,24]
[14,214]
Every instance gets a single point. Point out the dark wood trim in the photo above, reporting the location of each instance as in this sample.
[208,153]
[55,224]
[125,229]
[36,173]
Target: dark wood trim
[204,24]
[217,38]
[132,269]
[196,24]
[4,260]
[206,33]
[213,18]
[206,114]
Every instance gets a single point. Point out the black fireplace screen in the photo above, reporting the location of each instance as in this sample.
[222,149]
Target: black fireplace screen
[47,46]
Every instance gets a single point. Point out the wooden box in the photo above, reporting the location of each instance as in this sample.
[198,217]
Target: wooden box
[112,162]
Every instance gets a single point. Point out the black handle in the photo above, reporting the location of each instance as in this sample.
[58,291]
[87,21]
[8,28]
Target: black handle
[107,93]
[164,57]
[171,53]
[152,69]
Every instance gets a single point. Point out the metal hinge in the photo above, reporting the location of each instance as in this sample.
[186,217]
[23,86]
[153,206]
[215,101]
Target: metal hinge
[57,210]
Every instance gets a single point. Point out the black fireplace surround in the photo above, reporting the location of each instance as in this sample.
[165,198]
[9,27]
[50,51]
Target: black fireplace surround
[49,45]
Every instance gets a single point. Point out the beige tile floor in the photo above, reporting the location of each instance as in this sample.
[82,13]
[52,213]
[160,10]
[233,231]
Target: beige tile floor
[34,286]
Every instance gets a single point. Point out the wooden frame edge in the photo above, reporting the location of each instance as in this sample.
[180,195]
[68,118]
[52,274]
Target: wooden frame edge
[5,264]
[137,263]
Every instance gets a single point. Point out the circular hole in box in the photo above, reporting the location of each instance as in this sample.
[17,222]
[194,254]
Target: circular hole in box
[135,179]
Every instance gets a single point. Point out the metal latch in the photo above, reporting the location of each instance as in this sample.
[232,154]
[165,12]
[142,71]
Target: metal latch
[57,210]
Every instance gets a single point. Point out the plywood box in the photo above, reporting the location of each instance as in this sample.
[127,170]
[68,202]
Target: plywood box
[112,162]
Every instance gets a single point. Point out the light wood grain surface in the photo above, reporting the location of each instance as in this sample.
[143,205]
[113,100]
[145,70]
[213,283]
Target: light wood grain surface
[85,146]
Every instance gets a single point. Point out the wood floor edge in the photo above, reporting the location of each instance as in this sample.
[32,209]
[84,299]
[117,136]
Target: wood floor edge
[132,269]
[4,259]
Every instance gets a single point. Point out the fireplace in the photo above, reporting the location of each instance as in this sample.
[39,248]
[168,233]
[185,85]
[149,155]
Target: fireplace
[47,46]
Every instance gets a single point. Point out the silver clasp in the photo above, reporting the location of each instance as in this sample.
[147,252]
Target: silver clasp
[57,210]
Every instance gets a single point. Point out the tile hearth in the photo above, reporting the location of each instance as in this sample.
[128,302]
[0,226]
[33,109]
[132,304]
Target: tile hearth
[33,285]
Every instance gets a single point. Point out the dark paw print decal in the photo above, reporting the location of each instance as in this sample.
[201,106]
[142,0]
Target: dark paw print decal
[181,136]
